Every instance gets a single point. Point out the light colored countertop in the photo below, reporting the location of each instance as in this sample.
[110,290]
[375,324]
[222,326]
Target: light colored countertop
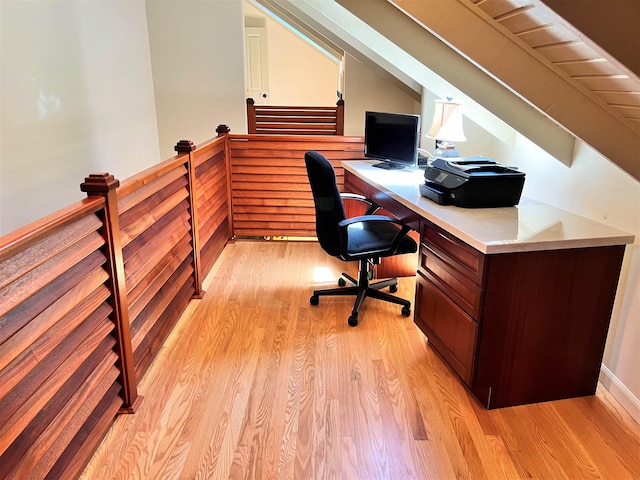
[529,226]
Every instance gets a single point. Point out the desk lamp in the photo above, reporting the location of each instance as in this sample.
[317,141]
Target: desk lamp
[446,128]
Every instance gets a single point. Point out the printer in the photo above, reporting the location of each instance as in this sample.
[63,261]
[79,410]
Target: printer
[472,182]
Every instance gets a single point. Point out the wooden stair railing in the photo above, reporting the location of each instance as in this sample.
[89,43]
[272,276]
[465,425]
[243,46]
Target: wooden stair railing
[295,120]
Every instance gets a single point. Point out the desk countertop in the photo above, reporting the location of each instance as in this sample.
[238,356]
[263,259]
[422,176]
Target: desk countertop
[529,226]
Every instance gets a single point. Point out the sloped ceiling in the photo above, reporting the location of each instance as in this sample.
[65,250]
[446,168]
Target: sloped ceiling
[544,59]
[566,84]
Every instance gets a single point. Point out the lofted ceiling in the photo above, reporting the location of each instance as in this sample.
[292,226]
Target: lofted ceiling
[538,54]
[551,74]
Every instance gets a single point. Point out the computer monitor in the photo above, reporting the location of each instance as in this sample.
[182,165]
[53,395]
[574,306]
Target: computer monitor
[392,138]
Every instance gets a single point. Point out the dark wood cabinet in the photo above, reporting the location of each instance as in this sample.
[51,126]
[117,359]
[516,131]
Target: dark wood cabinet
[544,324]
[448,297]
[451,331]
[519,327]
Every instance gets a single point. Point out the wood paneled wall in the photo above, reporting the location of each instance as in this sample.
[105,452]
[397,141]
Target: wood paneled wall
[89,294]
[271,195]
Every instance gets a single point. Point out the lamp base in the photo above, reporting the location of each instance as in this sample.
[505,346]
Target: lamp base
[446,151]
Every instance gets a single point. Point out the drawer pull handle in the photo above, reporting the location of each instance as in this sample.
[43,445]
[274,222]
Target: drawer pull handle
[446,238]
[434,253]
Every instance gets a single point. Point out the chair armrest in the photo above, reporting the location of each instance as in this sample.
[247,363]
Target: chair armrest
[373,206]
[371,219]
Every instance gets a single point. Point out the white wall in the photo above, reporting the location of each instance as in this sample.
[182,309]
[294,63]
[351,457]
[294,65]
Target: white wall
[364,90]
[299,74]
[197,51]
[77,98]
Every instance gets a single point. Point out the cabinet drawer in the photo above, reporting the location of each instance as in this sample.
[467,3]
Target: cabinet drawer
[451,332]
[455,252]
[463,290]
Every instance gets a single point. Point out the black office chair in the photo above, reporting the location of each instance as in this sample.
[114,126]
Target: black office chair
[365,238]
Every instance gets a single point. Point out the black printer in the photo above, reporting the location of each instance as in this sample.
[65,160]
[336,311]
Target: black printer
[472,182]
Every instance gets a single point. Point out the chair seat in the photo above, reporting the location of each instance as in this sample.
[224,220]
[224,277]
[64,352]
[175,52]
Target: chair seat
[365,241]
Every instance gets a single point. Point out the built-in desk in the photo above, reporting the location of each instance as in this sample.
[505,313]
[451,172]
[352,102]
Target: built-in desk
[516,300]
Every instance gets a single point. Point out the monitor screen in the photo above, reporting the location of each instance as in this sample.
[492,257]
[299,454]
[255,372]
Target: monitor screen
[392,137]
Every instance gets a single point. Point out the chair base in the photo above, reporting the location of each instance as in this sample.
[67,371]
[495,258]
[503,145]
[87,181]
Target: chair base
[362,289]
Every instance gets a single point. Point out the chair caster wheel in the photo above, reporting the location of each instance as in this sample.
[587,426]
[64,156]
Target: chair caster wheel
[342,282]
[393,288]
[406,311]
[353,320]
[314,300]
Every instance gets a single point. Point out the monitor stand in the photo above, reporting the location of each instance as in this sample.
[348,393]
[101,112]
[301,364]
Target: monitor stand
[388,166]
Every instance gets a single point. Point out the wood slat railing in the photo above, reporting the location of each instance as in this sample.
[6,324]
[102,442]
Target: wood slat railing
[89,294]
[295,120]
[212,183]
[270,191]
[156,230]
[59,367]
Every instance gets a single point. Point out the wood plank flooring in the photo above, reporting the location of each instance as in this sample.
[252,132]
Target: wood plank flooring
[255,383]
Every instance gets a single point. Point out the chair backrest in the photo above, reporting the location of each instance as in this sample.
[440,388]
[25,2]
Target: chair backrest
[327,201]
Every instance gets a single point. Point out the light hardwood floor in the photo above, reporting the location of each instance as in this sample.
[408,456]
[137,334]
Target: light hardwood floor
[255,383]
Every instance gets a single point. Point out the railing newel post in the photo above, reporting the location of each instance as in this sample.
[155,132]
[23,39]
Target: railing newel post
[224,130]
[105,185]
[188,147]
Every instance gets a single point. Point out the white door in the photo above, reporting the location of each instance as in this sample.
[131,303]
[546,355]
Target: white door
[257,71]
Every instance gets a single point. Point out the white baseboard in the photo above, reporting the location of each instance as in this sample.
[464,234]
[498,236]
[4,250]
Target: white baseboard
[620,392]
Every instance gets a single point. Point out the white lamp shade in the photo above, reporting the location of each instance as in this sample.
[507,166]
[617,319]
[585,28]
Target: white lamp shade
[447,122]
